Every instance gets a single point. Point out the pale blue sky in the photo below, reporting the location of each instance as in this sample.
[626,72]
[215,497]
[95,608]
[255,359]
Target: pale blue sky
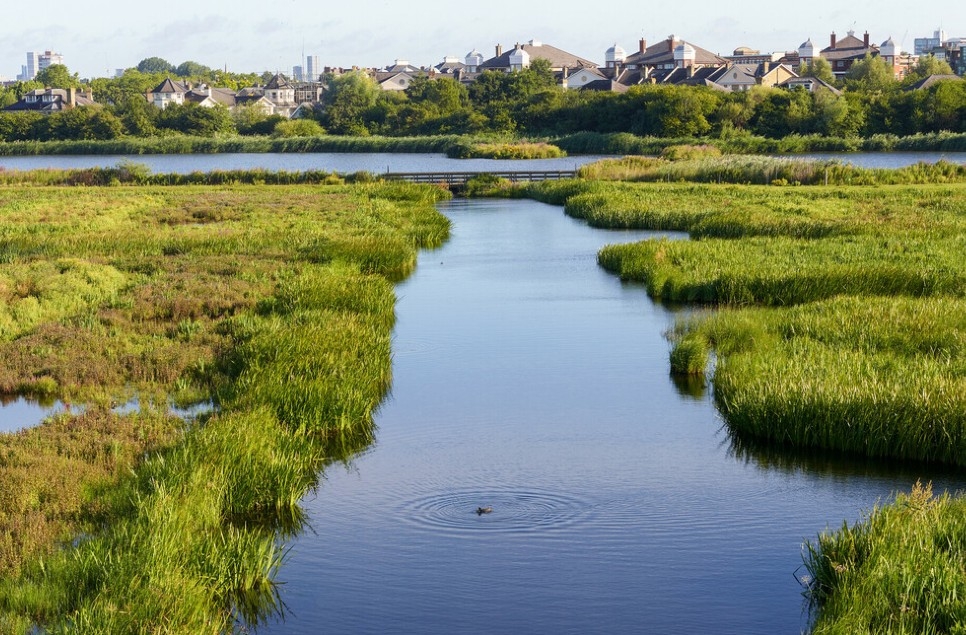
[96,36]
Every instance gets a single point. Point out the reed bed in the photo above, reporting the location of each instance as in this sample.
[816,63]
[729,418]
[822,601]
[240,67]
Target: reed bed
[686,163]
[876,376]
[627,143]
[514,150]
[836,324]
[276,303]
[732,211]
[781,271]
[181,144]
[899,570]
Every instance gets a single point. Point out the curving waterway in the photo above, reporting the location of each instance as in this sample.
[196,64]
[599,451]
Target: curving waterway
[528,380]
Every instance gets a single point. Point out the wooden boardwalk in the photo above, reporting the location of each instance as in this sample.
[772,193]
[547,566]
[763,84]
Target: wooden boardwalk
[460,178]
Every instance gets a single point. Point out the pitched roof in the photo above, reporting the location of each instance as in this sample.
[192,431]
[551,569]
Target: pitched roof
[932,80]
[558,58]
[278,82]
[606,85]
[849,47]
[809,82]
[662,53]
[701,76]
[170,87]
[223,96]
[49,100]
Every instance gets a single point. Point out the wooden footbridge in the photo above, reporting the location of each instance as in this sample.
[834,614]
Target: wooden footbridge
[460,178]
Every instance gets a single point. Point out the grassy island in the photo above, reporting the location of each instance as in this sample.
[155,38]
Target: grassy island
[273,304]
[836,318]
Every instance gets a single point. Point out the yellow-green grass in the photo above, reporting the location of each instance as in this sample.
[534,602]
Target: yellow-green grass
[275,302]
[900,570]
[837,322]
[509,150]
[875,376]
[785,271]
[703,164]
[733,211]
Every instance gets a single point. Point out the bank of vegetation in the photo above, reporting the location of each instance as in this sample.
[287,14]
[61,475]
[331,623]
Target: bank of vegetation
[833,319]
[871,112]
[273,305]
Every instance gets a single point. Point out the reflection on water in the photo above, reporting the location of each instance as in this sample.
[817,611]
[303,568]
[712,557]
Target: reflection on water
[693,386]
[827,463]
[19,412]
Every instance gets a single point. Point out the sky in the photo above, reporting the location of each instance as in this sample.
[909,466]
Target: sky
[96,37]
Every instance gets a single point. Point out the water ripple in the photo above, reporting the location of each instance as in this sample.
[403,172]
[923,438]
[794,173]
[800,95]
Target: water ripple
[514,510]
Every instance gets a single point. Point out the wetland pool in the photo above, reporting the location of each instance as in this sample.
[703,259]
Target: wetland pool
[529,380]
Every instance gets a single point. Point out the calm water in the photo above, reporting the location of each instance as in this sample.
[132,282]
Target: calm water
[379,163]
[529,380]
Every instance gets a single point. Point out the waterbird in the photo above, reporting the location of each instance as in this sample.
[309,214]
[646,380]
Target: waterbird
[483,510]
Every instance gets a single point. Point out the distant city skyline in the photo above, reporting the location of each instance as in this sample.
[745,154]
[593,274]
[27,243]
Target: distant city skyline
[247,36]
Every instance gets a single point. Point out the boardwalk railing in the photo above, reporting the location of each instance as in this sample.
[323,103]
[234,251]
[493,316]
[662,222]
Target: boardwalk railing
[460,178]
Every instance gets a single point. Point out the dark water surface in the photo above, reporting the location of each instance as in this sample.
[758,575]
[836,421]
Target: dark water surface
[379,163]
[341,162]
[529,380]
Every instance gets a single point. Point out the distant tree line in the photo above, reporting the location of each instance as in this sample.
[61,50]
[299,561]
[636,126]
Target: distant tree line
[525,103]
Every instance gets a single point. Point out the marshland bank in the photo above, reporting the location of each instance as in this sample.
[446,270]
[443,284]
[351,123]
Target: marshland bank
[182,236]
[275,302]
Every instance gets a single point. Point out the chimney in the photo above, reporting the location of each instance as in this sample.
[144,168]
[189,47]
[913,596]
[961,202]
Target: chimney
[71,97]
[765,67]
[865,39]
[643,45]
[499,50]
[831,41]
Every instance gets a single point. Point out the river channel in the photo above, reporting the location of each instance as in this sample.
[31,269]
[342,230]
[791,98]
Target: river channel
[528,380]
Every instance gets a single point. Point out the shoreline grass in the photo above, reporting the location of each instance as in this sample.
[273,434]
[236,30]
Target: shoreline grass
[276,303]
[837,325]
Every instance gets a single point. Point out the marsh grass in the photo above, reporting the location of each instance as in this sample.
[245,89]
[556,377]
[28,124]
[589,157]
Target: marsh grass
[899,570]
[875,376]
[275,302]
[509,150]
[180,144]
[701,164]
[627,143]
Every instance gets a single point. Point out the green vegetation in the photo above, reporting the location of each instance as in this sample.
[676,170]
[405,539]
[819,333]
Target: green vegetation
[274,303]
[841,266]
[836,318]
[874,111]
[518,150]
[898,571]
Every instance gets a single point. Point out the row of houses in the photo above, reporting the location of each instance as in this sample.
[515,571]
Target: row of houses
[671,61]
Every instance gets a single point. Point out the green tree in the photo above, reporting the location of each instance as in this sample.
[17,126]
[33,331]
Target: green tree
[192,69]
[19,126]
[870,74]
[298,128]
[137,116]
[57,76]
[925,66]
[945,107]
[347,103]
[192,119]
[819,67]
[155,65]
[85,122]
